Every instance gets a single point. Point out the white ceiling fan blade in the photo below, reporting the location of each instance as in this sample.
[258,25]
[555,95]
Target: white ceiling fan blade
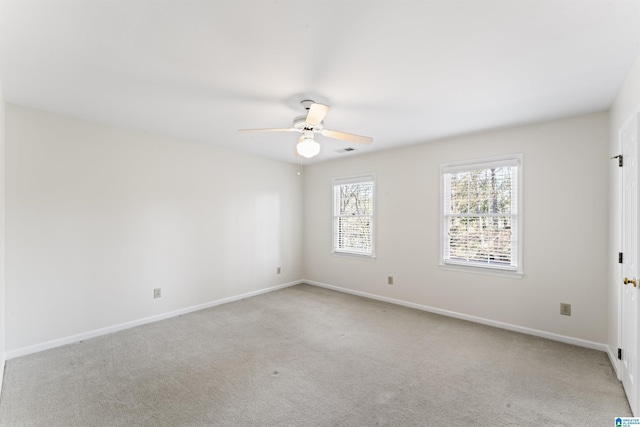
[268,130]
[347,136]
[317,113]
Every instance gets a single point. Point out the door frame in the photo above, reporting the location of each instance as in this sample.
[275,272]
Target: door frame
[620,215]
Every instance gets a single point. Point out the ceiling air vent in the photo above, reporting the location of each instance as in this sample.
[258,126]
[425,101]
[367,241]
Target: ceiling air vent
[345,150]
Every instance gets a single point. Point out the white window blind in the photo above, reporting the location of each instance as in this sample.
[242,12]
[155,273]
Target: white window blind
[482,214]
[353,220]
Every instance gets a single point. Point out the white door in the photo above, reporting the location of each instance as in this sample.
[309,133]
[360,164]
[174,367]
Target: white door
[628,286]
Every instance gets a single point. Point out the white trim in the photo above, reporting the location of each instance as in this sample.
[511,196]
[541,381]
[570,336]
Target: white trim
[488,270]
[620,237]
[127,325]
[354,179]
[614,361]
[484,163]
[354,255]
[515,328]
[3,360]
[625,124]
[516,159]
[619,269]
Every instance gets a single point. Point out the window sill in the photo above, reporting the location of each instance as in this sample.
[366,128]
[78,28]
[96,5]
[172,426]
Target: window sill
[353,255]
[482,270]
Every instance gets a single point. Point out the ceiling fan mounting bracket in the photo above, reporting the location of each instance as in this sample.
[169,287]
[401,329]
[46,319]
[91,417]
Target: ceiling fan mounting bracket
[307,103]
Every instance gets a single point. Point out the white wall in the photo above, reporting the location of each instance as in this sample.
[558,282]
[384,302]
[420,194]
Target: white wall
[565,229]
[96,217]
[2,234]
[626,103]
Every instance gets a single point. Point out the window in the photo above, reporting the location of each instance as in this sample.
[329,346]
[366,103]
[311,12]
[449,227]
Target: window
[353,207]
[482,215]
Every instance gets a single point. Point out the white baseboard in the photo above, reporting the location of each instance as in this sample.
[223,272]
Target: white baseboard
[549,335]
[2,363]
[613,358]
[127,325]
[122,326]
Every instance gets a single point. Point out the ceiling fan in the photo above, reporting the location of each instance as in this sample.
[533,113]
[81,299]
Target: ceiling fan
[310,124]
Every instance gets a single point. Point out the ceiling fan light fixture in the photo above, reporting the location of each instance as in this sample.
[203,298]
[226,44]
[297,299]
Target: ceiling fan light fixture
[307,147]
[311,123]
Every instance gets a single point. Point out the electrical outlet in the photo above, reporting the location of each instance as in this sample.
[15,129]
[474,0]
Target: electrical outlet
[389,280]
[157,293]
[278,270]
[565,309]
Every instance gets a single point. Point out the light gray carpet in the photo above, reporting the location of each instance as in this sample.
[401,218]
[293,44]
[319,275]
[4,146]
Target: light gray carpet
[306,356]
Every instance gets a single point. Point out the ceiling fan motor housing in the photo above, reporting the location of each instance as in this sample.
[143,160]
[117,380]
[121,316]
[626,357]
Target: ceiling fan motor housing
[300,124]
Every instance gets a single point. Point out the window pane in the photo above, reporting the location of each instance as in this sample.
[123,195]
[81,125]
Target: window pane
[501,190]
[459,192]
[481,219]
[355,199]
[353,215]
[480,239]
[354,234]
[481,191]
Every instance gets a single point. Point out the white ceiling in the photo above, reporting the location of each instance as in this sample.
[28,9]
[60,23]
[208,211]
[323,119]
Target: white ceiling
[402,72]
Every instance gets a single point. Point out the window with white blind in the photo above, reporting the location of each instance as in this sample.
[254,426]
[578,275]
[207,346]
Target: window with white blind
[353,220]
[482,215]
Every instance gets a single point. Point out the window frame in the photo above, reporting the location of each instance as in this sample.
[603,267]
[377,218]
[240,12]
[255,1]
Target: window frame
[517,246]
[353,179]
